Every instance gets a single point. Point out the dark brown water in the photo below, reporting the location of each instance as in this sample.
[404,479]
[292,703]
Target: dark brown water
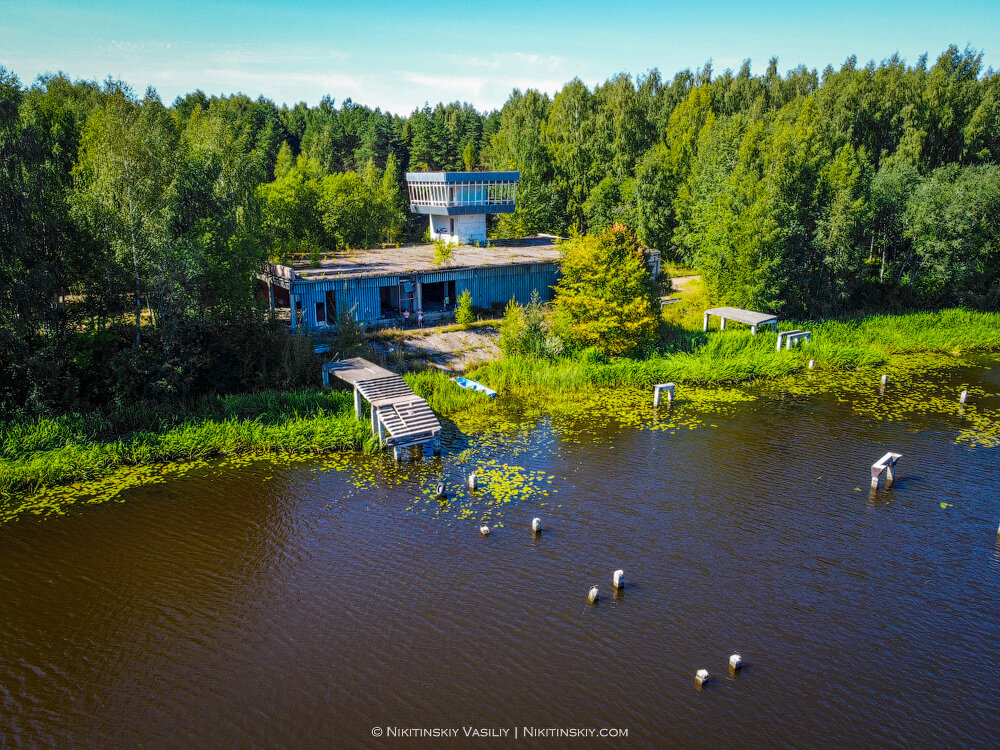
[263,607]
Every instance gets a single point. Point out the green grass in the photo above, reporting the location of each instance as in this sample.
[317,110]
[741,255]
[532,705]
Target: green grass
[734,355]
[72,448]
[81,447]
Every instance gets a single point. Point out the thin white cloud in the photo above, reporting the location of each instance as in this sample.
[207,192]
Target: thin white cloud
[320,81]
[550,62]
[468,86]
[118,45]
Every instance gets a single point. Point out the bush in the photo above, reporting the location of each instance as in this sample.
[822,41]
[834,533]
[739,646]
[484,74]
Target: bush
[524,331]
[463,310]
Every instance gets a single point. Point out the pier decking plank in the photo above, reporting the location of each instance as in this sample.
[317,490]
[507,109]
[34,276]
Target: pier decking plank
[406,418]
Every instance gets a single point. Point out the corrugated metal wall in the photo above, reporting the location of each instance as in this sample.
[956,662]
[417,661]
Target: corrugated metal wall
[488,285]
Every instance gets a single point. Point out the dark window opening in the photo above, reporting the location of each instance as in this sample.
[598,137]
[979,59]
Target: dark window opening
[331,307]
[321,313]
[438,296]
[281,298]
[388,299]
[452,224]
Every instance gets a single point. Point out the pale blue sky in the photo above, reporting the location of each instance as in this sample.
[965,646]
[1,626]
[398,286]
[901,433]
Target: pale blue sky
[397,55]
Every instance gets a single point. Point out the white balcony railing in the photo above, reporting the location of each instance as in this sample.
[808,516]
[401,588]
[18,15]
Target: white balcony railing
[448,194]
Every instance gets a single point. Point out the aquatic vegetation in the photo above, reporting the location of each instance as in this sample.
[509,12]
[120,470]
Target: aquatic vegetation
[51,464]
[51,452]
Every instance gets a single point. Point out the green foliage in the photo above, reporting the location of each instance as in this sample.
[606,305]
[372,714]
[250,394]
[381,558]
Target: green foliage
[606,297]
[83,447]
[463,309]
[869,187]
[306,211]
[443,250]
[525,331]
[738,356]
[954,224]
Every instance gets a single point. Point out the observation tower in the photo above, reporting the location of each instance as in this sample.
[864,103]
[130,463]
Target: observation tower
[457,202]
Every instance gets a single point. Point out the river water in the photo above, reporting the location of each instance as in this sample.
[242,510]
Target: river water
[298,606]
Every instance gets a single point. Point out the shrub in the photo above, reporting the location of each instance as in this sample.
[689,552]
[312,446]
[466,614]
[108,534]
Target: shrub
[463,310]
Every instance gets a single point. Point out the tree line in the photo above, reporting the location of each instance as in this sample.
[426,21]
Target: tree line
[132,231]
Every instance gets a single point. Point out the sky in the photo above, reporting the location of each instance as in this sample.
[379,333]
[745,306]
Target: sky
[399,55]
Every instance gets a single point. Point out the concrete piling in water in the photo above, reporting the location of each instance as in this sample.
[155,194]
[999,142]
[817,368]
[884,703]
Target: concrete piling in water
[701,677]
[473,480]
[618,580]
[735,663]
[659,389]
[592,595]
[885,379]
[536,525]
[963,396]
[812,363]
[885,465]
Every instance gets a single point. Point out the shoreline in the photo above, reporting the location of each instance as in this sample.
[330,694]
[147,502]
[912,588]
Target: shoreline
[48,458]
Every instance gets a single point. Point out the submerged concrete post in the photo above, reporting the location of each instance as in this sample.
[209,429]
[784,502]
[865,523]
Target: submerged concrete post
[658,390]
[812,363]
[963,396]
[885,464]
[357,403]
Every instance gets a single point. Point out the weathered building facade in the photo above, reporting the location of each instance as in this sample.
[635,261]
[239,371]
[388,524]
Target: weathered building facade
[378,286]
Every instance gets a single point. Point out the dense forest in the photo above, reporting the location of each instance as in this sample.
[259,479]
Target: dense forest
[132,231]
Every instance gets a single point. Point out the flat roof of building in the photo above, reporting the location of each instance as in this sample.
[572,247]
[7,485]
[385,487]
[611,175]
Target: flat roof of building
[420,258]
[462,176]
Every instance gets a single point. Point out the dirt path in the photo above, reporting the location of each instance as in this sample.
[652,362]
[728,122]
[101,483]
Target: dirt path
[447,350]
[679,282]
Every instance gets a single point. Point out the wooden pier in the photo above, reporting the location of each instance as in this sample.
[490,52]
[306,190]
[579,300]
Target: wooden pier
[751,318]
[400,418]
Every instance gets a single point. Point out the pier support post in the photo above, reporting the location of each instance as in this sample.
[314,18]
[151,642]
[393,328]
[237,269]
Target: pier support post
[381,431]
[963,396]
[326,377]
[885,464]
[753,330]
[705,326]
[722,325]
[658,390]
[270,295]
[374,421]
[357,403]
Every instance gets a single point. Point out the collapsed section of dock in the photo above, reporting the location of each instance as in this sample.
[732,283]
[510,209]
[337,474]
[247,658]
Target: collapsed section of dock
[400,418]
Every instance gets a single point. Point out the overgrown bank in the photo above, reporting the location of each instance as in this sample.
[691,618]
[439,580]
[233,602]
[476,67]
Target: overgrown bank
[737,355]
[49,452]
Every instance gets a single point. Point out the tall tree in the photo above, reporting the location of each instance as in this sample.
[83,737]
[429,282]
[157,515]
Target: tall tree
[128,157]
